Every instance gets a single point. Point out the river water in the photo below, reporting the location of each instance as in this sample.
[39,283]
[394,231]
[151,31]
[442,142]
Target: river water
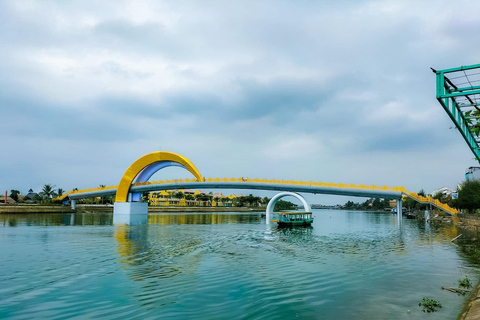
[349,265]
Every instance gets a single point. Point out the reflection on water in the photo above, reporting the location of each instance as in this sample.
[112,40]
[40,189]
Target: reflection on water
[132,241]
[102,219]
[130,219]
[202,218]
[56,219]
[349,265]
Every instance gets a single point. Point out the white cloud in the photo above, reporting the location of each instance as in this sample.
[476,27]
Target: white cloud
[282,148]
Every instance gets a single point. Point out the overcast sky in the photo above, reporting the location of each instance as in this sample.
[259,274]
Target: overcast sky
[333,91]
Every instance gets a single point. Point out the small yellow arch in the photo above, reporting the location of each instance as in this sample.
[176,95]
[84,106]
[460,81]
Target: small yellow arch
[140,164]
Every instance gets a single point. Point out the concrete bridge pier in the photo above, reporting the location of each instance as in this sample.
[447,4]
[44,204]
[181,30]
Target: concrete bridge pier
[399,210]
[130,213]
[72,204]
[130,208]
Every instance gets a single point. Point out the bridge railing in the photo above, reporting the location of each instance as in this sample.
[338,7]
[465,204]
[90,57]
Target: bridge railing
[270,181]
[249,180]
[443,206]
[412,195]
[63,196]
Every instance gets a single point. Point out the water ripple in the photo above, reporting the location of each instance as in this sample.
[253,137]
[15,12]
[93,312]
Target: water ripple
[234,270]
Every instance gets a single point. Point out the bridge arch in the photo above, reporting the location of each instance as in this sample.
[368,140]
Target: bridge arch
[278,196]
[143,168]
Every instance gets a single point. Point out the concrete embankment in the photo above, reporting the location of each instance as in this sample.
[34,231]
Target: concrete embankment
[109,208]
[471,311]
[34,209]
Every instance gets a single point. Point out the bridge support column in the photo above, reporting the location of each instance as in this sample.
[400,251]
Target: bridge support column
[130,212]
[72,204]
[130,208]
[399,209]
[273,201]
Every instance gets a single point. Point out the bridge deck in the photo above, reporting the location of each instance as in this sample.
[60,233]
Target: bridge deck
[265,184]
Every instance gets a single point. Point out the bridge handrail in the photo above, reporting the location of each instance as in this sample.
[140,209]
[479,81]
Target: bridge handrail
[443,206]
[412,195]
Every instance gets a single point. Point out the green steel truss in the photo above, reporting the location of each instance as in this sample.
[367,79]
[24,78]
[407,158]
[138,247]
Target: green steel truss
[458,91]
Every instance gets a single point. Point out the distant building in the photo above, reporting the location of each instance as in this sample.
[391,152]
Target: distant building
[30,195]
[472,173]
[392,203]
[218,195]
[445,191]
[9,200]
[169,198]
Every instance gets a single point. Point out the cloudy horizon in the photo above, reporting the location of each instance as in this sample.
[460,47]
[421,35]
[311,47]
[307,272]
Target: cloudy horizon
[323,91]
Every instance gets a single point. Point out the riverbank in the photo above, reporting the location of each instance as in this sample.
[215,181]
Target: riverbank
[468,226]
[32,208]
[92,208]
[471,309]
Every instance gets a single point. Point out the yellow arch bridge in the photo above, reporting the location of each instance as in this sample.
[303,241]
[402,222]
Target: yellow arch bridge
[135,181]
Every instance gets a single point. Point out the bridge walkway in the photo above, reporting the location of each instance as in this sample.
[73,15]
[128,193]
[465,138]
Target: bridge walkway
[267,184]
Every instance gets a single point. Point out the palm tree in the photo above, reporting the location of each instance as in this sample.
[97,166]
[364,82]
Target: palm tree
[60,192]
[48,191]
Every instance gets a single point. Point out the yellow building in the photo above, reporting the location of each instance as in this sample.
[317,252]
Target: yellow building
[183,198]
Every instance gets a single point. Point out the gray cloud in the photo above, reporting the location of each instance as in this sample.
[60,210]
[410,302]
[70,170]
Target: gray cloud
[237,86]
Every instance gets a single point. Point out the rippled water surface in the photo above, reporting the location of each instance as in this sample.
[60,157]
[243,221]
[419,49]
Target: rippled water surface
[349,265]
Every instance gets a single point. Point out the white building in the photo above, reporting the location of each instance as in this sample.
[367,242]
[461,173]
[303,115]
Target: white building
[446,191]
[472,173]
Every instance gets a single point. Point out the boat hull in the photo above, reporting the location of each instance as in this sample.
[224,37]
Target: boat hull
[301,223]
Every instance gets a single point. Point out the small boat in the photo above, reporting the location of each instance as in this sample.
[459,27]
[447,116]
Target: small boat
[411,215]
[394,210]
[296,218]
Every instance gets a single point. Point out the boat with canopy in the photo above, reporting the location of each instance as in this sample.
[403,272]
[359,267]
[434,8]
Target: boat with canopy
[294,218]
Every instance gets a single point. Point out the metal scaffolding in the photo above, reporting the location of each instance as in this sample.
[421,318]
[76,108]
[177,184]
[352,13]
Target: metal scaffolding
[458,91]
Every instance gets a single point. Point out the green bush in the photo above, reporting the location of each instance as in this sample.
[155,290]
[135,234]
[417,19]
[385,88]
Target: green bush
[469,195]
[464,283]
[429,305]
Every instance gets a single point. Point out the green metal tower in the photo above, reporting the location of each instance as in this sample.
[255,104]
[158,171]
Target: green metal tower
[458,91]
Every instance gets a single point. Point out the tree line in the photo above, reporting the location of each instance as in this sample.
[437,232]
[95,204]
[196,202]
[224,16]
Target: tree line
[45,196]
[375,204]
[468,196]
[49,192]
